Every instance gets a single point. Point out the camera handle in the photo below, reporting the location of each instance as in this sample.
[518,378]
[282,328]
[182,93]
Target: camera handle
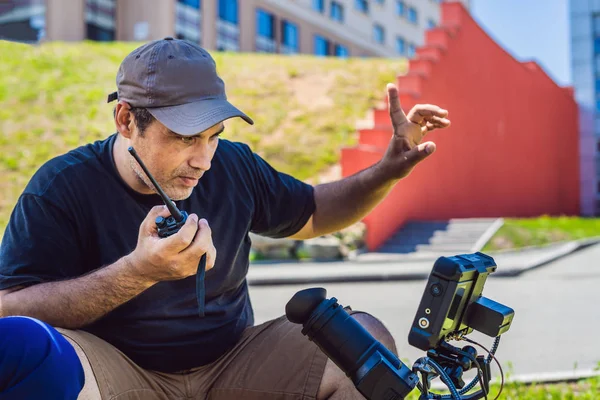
[449,363]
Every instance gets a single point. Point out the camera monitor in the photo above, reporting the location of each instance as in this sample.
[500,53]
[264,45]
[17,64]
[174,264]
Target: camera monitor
[452,305]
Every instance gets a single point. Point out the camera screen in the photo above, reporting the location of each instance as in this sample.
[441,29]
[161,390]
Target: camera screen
[454,283]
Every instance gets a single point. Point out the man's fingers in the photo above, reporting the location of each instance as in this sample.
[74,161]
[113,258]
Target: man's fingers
[396,113]
[420,152]
[182,239]
[438,121]
[211,257]
[422,112]
[149,223]
[203,244]
[432,123]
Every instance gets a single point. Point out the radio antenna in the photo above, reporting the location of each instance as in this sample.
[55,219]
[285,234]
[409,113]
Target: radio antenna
[170,205]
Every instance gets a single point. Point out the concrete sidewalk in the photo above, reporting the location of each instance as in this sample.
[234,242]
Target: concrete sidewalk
[397,267]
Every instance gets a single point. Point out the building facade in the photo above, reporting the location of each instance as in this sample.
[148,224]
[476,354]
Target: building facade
[357,28]
[585,63]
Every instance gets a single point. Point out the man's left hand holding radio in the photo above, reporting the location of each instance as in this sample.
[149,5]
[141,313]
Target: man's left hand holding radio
[175,257]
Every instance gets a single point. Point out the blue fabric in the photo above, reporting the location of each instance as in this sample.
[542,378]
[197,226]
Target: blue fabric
[77,215]
[37,362]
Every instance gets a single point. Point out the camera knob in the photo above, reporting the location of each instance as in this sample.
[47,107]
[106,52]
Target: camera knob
[160,221]
[436,289]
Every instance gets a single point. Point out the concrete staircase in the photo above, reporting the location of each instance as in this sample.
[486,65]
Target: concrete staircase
[432,239]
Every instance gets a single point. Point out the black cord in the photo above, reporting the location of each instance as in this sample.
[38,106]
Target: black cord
[481,378]
[491,354]
[445,378]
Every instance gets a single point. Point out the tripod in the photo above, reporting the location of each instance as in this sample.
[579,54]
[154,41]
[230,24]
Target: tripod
[449,363]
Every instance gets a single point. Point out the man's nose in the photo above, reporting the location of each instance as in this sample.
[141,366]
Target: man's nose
[200,159]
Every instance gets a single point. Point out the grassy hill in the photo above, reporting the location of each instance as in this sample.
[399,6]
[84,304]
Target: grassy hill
[53,98]
[305,108]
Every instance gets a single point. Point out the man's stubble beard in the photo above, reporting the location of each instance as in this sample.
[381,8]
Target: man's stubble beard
[174,192]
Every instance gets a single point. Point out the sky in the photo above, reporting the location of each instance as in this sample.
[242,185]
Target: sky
[530,30]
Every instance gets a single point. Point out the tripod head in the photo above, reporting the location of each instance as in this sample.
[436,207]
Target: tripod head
[451,307]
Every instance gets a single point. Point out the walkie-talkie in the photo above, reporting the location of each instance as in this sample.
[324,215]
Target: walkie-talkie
[171,225]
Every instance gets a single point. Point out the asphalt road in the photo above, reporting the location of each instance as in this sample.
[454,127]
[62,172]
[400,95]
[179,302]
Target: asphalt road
[555,328]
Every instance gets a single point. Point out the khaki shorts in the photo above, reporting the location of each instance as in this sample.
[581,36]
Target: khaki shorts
[271,361]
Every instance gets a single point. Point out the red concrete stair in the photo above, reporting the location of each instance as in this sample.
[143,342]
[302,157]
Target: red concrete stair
[462,69]
[379,137]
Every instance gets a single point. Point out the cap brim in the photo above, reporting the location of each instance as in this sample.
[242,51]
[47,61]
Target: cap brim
[193,118]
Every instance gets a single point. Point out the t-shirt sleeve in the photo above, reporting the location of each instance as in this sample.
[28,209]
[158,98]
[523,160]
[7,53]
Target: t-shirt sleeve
[39,244]
[283,204]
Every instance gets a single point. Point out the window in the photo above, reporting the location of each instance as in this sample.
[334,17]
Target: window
[265,24]
[191,3]
[322,46]
[265,32]
[400,8]
[362,6]
[378,33]
[289,38]
[597,45]
[400,45]
[228,11]
[23,20]
[411,50]
[596,23]
[228,31]
[337,11]
[341,51]
[100,20]
[318,5]
[188,20]
[431,24]
[412,15]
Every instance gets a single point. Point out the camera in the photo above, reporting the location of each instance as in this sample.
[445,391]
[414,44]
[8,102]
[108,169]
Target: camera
[451,307]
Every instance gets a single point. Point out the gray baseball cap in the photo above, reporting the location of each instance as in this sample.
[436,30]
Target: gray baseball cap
[177,82]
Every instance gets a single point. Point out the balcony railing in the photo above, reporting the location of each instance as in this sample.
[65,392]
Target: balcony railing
[288,50]
[265,45]
[228,36]
[188,22]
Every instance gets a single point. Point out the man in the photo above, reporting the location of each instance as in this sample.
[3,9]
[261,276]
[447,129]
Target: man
[81,251]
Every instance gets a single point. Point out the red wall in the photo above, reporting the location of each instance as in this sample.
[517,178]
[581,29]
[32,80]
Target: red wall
[512,149]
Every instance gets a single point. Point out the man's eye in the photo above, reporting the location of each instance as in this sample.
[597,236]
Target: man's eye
[188,139]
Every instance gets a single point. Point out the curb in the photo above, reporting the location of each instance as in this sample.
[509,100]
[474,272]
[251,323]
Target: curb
[349,272]
[539,378]
[568,249]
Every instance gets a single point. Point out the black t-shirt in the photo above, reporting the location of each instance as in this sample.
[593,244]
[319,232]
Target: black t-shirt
[77,215]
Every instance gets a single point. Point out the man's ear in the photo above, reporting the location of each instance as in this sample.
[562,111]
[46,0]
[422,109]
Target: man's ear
[123,119]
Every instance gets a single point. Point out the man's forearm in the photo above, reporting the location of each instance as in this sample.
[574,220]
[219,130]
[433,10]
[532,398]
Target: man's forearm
[344,202]
[77,302]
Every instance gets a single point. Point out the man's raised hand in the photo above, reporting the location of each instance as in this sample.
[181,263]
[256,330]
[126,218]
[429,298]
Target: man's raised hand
[405,150]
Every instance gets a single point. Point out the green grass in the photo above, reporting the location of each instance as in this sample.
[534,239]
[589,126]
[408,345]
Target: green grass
[586,389]
[53,98]
[519,233]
